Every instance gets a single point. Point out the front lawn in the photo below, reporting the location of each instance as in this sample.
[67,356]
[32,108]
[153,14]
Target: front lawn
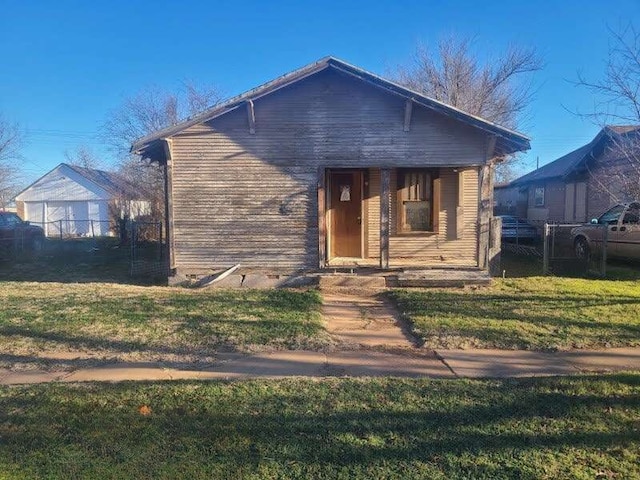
[574,427]
[537,313]
[152,323]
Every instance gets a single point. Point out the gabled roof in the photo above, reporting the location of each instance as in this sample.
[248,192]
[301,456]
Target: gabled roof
[572,161]
[110,182]
[509,141]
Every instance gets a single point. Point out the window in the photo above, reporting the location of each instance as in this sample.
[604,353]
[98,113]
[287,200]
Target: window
[611,216]
[632,215]
[538,197]
[416,197]
[10,219]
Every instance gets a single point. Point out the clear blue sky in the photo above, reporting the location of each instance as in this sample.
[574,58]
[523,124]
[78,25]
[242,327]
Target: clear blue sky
[66,64]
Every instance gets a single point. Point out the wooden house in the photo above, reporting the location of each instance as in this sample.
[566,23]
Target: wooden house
[583,183]
[329,165]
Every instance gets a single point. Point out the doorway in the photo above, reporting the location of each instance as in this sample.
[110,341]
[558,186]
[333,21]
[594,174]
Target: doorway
[345,203]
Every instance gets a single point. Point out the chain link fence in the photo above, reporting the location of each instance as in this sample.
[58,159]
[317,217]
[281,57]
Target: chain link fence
[563,251]
[107,250]
[566,253]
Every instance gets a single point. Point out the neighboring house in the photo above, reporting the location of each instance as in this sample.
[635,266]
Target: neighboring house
[509,200]
[329,165]
[76,201]
[578,186]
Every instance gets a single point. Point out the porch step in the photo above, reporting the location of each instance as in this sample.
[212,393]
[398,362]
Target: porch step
[440,278]
[356,281]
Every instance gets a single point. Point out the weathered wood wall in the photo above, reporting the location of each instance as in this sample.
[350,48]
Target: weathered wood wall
[444,247]
[252,199]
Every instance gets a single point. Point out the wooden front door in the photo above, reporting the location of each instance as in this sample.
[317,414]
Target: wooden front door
[346,214]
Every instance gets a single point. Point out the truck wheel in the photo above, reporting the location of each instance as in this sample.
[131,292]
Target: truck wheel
[581,248]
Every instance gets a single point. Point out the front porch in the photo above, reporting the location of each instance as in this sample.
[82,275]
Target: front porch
[395,218]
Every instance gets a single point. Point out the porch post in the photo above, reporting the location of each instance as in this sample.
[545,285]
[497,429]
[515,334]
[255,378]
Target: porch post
[385,193]
[168,203]
[322,225]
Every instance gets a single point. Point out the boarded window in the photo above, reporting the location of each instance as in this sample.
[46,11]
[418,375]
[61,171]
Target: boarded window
[538,197]
[415,200]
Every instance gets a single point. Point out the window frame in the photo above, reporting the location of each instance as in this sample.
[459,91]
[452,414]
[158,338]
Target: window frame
[535,196]
[434,199]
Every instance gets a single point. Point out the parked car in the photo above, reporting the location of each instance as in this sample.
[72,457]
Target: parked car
[517,229]
[14,231]
[622,226]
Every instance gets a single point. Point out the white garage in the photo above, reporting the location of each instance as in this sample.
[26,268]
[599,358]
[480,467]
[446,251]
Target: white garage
[76,201]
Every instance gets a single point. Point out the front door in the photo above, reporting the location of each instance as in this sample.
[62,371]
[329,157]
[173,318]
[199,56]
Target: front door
[346,214]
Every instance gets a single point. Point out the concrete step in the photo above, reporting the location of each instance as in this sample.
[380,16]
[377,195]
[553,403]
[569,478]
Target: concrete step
[443,278]
[356,281]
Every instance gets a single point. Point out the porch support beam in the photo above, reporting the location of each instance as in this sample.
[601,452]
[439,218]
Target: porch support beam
[168,201]
[408,109]
[485,205]
[460,206]
[251,115]
[322,222]
[385,196]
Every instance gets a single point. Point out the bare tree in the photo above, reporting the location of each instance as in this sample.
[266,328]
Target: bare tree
[495,90]
[498,90]
[148,111]
[11,140]
[617,100]
[84,157]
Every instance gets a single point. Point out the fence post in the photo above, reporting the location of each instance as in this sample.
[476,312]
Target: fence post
[93,233]
[605,241]
[160,240]
[60,226]
[545,258]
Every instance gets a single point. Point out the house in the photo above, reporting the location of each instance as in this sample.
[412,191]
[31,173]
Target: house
[579,185]
[77,201]
[329,165]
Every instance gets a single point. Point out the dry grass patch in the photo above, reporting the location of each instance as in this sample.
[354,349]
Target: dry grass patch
[152,323]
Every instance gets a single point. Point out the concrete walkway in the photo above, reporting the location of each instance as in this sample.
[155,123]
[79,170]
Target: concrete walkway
[354,363]
[371,341]
[523,363]
[364,321]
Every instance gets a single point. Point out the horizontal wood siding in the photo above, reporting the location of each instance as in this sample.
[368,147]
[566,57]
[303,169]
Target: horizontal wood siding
[252,198]
[431,249]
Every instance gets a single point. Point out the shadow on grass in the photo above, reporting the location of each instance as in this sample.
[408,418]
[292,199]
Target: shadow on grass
[356,429]
[81,260]
[522,266]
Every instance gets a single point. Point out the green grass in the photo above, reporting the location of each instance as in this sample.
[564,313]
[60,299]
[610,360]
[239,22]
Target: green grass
[537,313]
[153,322]
[573,427]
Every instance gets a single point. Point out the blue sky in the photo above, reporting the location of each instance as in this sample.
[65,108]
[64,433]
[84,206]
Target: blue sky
[66,64]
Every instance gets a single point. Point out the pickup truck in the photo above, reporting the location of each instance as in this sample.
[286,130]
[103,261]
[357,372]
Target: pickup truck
[622,223]
[16,233]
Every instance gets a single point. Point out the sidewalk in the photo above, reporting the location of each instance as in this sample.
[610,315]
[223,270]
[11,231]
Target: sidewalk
[354,363]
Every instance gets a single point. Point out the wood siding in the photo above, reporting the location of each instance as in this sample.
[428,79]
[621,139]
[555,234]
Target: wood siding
[443,247]
[252,198]
[554,202]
